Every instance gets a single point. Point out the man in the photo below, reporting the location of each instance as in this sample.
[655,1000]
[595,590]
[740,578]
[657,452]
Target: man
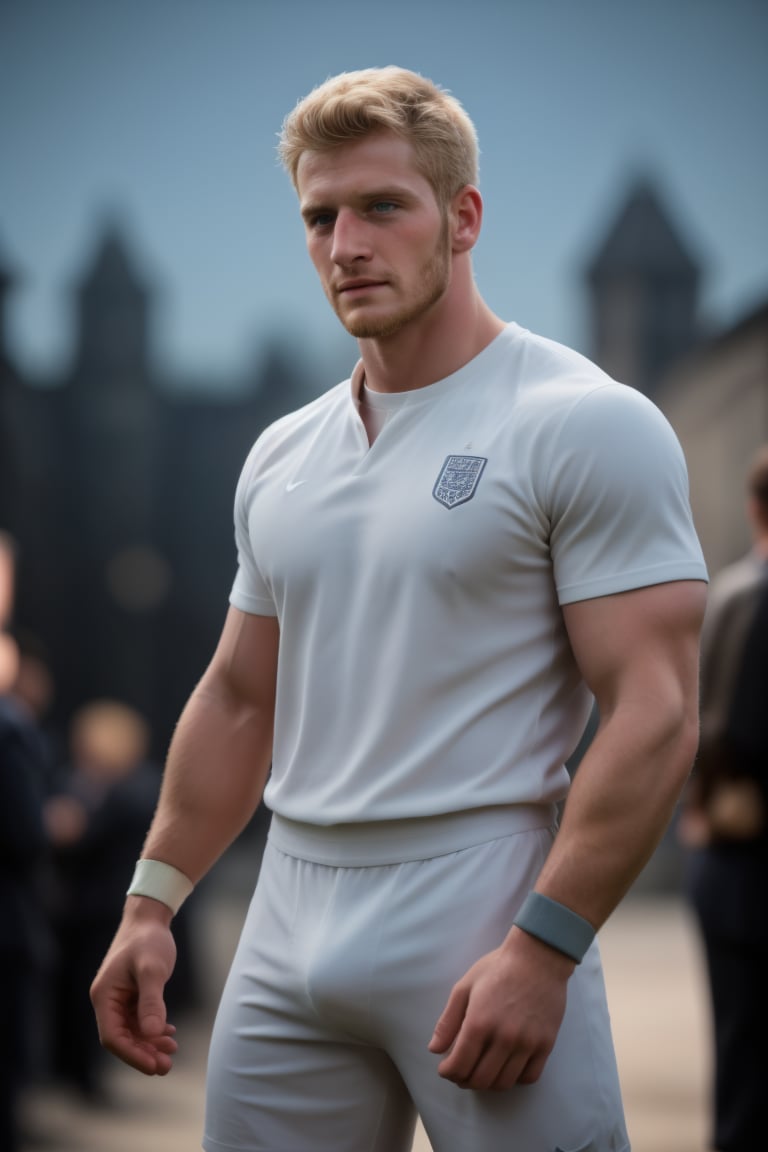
[724,823]
[96,813]
[440,560]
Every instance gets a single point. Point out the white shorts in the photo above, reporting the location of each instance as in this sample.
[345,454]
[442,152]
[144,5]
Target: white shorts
[352,943]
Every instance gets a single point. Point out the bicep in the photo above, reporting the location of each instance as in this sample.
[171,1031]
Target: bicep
[640,644]
[244,665]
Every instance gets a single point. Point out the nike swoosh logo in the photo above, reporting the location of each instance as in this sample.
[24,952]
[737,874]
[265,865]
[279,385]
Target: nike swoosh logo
[294,484]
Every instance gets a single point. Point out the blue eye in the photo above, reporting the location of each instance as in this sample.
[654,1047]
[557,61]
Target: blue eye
[382,207]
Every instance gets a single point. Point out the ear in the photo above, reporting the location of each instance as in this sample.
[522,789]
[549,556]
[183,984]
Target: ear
[465,215]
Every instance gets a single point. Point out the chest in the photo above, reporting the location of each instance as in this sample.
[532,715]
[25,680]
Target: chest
[445,499]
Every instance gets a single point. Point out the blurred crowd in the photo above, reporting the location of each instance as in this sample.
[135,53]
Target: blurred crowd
[74,810]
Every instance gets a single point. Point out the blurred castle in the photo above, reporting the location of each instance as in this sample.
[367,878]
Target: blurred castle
[119,488]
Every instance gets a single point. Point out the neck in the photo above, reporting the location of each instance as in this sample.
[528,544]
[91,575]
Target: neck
[455,330]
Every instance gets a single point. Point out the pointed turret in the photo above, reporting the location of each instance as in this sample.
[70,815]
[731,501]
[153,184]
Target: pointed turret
[113,303]
[644,289]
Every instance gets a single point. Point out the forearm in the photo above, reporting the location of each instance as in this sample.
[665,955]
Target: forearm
[214,777]
[622,799]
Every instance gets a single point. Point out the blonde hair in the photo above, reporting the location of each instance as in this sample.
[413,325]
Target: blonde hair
[353,104]
[109,737]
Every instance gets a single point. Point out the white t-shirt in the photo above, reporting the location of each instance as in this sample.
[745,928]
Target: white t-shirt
[424,666]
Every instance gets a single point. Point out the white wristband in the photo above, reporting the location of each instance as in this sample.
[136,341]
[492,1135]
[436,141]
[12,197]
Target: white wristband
[160,882]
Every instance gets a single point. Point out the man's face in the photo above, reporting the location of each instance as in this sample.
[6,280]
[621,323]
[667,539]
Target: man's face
[375,233]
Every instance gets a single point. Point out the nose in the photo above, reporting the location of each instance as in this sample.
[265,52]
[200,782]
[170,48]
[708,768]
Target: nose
[350,238]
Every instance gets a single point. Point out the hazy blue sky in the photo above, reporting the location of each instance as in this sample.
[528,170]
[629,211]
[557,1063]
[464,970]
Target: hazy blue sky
[167,111]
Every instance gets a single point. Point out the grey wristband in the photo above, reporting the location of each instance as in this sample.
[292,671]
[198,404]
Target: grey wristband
[556,925]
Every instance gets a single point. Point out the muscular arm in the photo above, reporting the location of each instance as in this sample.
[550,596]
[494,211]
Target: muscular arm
[220,753]
[638,652]
[214,777]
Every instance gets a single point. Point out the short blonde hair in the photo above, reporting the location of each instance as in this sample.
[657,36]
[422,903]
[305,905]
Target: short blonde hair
[353,104]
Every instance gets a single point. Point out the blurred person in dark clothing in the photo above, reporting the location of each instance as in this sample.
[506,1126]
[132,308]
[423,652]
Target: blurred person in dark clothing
[34,692]
[7,575]
[96,818]
[22,847]
[724,823]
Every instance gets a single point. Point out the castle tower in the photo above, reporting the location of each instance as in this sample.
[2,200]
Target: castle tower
[644,293]
[113,303]
[111,399]
[109,487]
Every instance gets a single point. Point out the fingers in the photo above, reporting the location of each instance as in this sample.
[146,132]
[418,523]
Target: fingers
[450,1022]
[127,995]
[152,1057]
[501,1020]
[494,1070]
[487,1051]
[120,1033]
[476,1059]
[490,1064]
[151,1011]
[133,1026]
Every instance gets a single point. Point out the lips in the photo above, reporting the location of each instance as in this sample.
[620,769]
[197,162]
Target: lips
[357,285]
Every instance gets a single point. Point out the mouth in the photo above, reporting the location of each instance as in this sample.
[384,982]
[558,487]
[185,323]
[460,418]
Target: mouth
[351,287]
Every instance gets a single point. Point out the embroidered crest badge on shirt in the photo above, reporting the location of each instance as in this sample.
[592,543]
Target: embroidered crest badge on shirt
[458,480]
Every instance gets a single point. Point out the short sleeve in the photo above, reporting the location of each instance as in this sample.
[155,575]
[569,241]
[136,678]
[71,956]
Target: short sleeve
[250,592]
[618,498]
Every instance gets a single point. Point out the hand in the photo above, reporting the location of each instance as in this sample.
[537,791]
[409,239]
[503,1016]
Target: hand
[127,993]
[502,1018]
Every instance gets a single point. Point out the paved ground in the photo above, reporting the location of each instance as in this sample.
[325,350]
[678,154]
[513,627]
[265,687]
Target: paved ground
[658,1003]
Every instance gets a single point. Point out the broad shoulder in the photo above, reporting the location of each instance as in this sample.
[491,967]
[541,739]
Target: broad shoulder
[557,384]
[295,427]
